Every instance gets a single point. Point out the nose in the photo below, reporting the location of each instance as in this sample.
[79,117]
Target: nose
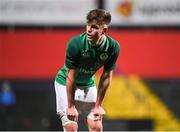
[89,29]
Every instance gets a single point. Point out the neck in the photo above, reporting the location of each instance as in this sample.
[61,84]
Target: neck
[99,41]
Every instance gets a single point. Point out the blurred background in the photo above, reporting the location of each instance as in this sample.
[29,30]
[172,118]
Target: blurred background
[145,91]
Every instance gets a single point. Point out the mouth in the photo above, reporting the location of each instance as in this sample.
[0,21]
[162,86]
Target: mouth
[89,37]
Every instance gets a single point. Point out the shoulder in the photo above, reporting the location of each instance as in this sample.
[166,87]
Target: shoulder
[78,37]
[77,40]
[113,43]
[74,42]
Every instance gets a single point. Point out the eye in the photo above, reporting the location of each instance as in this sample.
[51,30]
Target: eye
[95,26]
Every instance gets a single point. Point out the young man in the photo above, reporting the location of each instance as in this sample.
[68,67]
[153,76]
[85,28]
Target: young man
[75,88]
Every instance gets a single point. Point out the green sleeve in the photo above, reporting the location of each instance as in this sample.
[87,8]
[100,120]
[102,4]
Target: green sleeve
[72,53]
[110,65]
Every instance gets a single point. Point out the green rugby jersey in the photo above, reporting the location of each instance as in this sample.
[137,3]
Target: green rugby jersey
[88,59]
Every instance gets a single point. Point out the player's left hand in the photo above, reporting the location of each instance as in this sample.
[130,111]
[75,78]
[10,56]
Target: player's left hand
[98,113]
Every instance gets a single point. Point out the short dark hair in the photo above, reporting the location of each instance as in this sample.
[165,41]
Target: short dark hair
[99,15]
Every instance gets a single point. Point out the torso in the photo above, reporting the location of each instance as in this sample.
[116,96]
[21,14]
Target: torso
[89,59]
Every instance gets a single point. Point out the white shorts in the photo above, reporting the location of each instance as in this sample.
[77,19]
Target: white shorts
[84,99]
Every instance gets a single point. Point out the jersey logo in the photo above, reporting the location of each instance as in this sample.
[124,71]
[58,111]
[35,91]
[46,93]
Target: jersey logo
[86,54]
[103,56]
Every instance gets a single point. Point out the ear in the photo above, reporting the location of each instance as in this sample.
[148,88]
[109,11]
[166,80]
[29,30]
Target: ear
[105,30]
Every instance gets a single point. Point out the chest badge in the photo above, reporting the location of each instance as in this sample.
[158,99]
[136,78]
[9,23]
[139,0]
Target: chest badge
[103,56]
[86,54]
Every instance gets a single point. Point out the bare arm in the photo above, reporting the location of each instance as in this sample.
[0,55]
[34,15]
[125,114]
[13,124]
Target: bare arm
[103,86]
[71,85]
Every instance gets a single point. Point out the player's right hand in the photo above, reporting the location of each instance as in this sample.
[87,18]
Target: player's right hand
[72,113]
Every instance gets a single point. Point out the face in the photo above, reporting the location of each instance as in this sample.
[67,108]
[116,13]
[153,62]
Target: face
[94,32]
